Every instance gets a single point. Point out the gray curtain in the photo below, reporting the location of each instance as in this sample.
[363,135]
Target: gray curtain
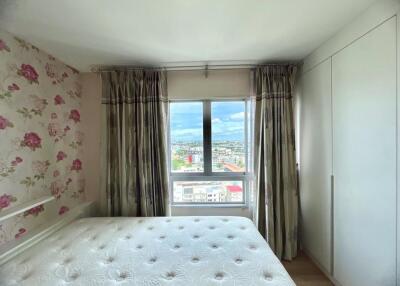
[136,176]
[276,193]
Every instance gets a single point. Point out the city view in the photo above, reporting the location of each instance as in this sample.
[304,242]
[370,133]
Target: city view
[187,154]
[227,156]
[208,192]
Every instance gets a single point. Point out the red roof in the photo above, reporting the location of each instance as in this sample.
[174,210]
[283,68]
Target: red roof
[232,167]
[234,189]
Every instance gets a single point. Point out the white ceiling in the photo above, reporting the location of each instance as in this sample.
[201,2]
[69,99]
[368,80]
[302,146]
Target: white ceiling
[84,33]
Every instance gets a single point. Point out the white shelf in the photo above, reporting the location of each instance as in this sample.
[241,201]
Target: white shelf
[16,246]
[13,211]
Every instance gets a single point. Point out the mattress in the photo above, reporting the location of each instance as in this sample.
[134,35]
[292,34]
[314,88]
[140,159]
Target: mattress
[187,251]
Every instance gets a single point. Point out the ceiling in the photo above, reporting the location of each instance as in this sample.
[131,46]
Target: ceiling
[86,33]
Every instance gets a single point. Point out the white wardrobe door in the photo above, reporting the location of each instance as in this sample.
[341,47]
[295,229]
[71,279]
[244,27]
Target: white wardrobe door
[364,159]
[316,163]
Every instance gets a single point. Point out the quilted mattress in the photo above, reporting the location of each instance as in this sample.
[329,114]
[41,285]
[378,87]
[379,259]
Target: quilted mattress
[187,251]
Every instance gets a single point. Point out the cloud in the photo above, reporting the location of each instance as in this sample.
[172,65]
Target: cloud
[236,129]
[237,116]
[228,130]
[216,121]
[187,131]
[186,134]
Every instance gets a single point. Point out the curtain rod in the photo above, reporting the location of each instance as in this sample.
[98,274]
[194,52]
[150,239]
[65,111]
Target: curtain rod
[189,67]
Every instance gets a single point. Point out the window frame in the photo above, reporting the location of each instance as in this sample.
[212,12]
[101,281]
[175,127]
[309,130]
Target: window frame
[208,174]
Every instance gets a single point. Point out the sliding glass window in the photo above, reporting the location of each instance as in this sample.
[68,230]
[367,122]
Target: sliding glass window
[208,160]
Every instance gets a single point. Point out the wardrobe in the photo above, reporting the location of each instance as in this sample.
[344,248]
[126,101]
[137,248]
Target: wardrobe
[349,153]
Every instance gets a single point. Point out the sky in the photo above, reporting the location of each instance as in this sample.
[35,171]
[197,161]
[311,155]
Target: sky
[186,121]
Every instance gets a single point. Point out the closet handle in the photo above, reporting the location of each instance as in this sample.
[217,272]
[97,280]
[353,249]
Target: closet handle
[332,225]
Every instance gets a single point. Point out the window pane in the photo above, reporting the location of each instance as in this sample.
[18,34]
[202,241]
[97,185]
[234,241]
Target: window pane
[186,126]
[208,192]
[228,136]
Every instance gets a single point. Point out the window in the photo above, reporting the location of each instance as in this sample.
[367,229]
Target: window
[228,136]
[208,158]
[186,137]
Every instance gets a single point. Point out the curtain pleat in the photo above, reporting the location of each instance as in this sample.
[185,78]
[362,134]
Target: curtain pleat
[276,211]
[136,181]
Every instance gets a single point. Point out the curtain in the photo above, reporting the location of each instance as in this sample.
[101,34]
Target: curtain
[275,191]
[136,176]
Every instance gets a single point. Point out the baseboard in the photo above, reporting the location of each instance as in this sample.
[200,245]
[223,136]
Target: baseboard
[13,248]
[326,273]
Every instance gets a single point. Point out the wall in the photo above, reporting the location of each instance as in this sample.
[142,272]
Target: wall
[218,84]
[373,16]
[40,136]
[91,117]
[323,228]
[364,110]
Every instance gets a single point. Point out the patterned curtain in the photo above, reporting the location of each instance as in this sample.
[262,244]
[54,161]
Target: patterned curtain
[276,193]
[136,176]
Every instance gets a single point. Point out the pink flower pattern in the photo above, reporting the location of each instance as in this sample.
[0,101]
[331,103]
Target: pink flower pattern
[17,161]
[58,100]
[61,156]
[4,123]
[31,140]
[3,46]
[75,115]
[39,94]
[76,165]
[21,232]
[28,72]
[35,211]
[6,200]
[63,210]
[13,87]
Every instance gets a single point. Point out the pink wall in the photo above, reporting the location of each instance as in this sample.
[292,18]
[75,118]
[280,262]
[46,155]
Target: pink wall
[41,136]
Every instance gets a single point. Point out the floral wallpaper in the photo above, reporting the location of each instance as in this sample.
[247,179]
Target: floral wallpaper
[40,137]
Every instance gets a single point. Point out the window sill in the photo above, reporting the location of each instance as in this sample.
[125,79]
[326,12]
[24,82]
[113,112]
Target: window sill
[242,206]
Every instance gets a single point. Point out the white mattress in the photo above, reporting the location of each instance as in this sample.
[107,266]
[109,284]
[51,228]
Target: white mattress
[185,251]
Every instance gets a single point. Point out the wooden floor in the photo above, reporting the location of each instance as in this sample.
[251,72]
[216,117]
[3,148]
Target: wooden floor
[304,272]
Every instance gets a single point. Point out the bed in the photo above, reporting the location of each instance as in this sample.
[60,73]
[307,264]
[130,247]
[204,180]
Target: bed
[150,252]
